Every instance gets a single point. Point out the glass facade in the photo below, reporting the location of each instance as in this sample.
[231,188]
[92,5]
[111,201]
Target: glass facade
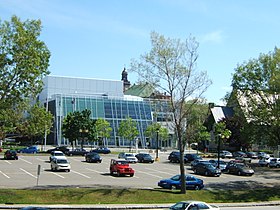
[114,110]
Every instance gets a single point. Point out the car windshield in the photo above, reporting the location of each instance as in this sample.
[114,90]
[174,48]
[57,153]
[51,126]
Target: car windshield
[62,161]
[129,155]
[122,163]
[175,178]
[58,154]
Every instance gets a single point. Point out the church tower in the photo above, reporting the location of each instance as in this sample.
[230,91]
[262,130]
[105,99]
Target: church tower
[126,83]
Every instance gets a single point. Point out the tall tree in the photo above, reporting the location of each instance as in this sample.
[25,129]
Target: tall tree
[103,129]
[171,67]
[37,123]
[24,60]
[78,125]
[256,86]
[128,129]
[153,128]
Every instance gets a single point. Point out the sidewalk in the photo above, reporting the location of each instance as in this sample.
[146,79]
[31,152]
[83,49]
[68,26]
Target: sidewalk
[135,206]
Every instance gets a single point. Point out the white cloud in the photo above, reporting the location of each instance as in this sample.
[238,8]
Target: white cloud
[212,37]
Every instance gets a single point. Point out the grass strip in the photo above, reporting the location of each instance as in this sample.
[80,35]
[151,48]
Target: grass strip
[131,196]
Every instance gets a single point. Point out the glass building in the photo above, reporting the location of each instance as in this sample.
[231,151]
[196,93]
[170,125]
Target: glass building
[105,99]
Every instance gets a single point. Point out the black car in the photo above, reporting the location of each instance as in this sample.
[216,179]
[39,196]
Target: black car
[239,169]
[144,158]
[102,150]
[174,157]
[93,157]
[10,155]
[63,149]
[79,151]
[192,157]
[206,169]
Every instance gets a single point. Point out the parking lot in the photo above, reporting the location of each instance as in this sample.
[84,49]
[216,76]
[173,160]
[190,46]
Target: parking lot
[23,173]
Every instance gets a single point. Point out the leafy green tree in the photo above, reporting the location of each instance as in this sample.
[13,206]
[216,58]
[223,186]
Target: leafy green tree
[170,67]
[152,129]
[37,123]
[128,129]
[78,125]
[257,88]
[103,129]
[24,60]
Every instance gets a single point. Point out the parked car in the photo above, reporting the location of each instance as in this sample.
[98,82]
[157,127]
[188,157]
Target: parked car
[11,155]
[192,157]
[243,159]
[206,169]
[129,157]
[274,162]
[263,155]
[63,149]
[225,154]
[60,164]
[238,154]
[193,205]
[78,151]
[195,162]
[102,150]
[239,169]
[222,164]
[174,157]
[93,157]
[31,150]
[265,161]
[120,168]
[175,183]
[252,155]
[144,158]
[56,154]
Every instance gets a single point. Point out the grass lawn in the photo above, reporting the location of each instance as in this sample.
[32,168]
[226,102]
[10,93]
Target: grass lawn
[130,196]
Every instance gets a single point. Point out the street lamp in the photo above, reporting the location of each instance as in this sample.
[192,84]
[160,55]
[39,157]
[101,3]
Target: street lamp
[83,133]
[219,148]
[157,158]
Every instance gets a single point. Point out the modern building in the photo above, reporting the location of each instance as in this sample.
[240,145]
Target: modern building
[105,99]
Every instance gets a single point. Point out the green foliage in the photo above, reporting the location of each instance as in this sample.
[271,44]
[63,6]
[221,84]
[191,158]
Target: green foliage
[152,130]
[78,125]
[103,129]
[128,129]
[257,84]
[24,60]
[222,131]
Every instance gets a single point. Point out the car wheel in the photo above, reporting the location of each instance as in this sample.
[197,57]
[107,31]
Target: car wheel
[131,175]
[195,171]
[173,187]
[111,173]
[277,166]
[206,173]
[196,187]
[239,173]
[68,170]
[118,173]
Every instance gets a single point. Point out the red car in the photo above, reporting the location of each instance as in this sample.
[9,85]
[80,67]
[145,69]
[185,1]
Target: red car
[120,167]
[10,155]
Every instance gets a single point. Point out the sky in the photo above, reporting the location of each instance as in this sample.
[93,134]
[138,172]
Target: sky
[98,38]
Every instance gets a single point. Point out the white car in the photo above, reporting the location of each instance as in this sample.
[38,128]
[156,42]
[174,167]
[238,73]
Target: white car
[193,205]
[274,162]
[265,161]
[129,157]
[56,154]
[60,164]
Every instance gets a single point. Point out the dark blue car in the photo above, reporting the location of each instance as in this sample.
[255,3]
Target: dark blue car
[32,150]
[102,150]
[175,183]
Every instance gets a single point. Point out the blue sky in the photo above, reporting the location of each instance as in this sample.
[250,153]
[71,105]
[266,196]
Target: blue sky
[97,38]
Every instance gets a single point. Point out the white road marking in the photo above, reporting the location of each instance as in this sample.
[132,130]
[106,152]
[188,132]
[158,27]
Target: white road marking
[5,175]
[148,174]
[40,159]
[26,161]
[28,173]
[81,174]
[8,162]
[99,172]
[58,175]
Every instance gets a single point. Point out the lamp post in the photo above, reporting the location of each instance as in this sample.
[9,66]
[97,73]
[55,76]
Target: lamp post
[219,148]
[83,133]
[157,158]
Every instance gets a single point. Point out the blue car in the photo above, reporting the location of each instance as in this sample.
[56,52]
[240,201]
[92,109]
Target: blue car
[32,150]
[102,150]
[175,183]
